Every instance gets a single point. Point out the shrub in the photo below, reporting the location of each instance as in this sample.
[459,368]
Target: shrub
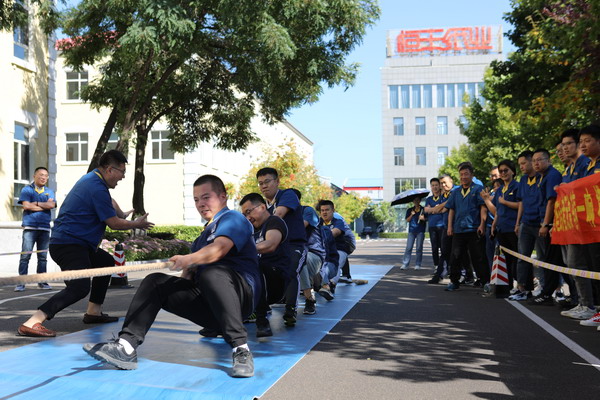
[181,232]
[148,248]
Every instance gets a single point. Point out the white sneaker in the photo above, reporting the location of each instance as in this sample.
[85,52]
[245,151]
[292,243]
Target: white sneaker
[569,312]
[404,267]
[514,291]
[583,313]
[417,267]
[537,292]
[594,321]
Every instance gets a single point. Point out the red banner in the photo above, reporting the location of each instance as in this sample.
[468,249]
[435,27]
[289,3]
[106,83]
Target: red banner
[577,212]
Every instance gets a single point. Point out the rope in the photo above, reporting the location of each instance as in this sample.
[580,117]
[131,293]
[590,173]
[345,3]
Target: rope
[23,252]
[571,271]
[82,273]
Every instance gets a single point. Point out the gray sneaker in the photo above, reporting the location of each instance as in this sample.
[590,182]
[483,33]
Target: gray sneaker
[243,364]
[44,286]
[19,288]
[112,353]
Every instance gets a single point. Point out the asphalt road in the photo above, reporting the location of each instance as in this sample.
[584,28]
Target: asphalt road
[406,340]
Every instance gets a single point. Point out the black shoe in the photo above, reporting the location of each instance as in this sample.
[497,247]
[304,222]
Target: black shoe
[251,318]
[289,317]
[263,327]
[112,353]
[541,300]
[469,281]
[325,292]
[310,307]
[243,364]
[332,287]
[98,319]
[567,302]
[434,280]
[477,284]
[210,332]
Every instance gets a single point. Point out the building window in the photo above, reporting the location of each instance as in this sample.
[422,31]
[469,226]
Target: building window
[398,126]
[472,91]
[441,96]
[399,156]
[463,123]
[442,153]
[460,92]
[416,96]
[77,147]
[442,125]
[405,96]
[427,96]
[401,184]
[421,155]
[21,159]
[76,81]
[420,127]
[450,97]
[393,96]
[21,34]
[113,140]
[161,146]
[480,92]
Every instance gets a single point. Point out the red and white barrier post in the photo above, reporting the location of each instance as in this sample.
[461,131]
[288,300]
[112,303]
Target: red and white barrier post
[119,280]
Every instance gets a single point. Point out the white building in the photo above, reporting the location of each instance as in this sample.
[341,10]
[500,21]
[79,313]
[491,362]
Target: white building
[427,76]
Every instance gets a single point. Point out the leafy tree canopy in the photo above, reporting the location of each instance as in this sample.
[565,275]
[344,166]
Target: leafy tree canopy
[350,206]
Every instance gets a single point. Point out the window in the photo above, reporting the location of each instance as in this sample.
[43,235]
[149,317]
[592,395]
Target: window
[463,123]
[161,148]
[77,147]
[460,91]
[405,96]
[21,34]
[112,141]
[471,91]
[398,155]
[427,96]
[441,96]
[442,153]
[21,159]
[401,184]
[480,92]
[75,82]
[442,125]
[393,96]
[421,155]
[398,126]
[420,126]
[450,98]
[416,96]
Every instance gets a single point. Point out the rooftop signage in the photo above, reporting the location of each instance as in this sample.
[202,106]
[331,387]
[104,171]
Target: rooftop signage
[445,41]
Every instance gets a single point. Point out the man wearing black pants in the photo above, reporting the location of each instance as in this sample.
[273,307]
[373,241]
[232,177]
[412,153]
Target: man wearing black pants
[218,287]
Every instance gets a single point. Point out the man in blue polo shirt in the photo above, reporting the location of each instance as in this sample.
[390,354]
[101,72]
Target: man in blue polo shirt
[219,285]
[75,241]
[466,223]
[285,204]
[435,221]
[337,226]
[37,200]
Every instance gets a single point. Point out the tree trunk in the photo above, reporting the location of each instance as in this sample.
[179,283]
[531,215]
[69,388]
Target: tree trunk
[103,141]
[139,178]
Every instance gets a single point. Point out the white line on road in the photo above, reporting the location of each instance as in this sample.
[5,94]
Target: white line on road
[29,295]
[571,345]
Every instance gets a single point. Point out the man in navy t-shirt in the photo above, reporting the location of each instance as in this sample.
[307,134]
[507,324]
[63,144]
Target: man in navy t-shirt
[285,204]
[435,221]
[219,285]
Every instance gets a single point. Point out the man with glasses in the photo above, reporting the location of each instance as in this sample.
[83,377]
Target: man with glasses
[75,241]
[285,205]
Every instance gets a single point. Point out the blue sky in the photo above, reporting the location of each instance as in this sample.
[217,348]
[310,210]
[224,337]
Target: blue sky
[345,126]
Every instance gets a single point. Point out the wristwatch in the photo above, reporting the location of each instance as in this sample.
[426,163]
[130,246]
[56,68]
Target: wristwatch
[546,225]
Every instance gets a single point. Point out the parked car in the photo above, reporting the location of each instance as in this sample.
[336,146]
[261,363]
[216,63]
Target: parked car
[367,231]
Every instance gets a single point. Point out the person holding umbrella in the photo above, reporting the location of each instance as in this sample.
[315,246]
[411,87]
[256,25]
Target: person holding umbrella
[415,217]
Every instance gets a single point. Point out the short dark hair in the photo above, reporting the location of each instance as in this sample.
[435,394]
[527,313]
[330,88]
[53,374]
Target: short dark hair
[498,181]
[572,133]
[38,168]
[509,164]
[545,152]
[434,179]
[465,165]
[325,203]
[253,198]
[527,154]
[493,168]
[297,193]
[592,130]
[445,176]
[267,171]
[217,184]
[112,157]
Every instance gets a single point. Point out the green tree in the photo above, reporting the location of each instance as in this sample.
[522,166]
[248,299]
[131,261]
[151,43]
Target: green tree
[207,66]
[350,206]
[294,172]
[381,213]
[14,13]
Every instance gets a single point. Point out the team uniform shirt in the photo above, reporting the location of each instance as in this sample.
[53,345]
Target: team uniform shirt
[576,170]
[39,220]
[349,237]
[507,217]
[329,243]
[490,217]
[340,242]
[548,181]
[82,215]
[415,226]
[466,205]
[445,197]
[280,258]
[528,194]
[593,167]
[242,257]
[293,218]
[314,238]
[435,220]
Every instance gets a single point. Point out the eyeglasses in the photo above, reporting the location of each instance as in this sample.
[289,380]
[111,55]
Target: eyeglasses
[248,211]
[538,160]
[265,182]
[118,169]
[503,170]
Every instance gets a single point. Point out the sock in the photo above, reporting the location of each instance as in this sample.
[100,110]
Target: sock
[127,346]
[244,346]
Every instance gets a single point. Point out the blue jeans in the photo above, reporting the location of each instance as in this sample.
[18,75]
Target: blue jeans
[528,240]
[419,237]
[39,238]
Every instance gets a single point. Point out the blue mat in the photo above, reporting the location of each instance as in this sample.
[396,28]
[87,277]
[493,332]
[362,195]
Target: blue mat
[175,362]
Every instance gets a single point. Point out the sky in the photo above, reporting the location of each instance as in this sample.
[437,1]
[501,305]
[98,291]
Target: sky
[345,126]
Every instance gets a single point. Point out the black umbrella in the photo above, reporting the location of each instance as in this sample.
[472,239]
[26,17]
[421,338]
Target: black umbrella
[409,195]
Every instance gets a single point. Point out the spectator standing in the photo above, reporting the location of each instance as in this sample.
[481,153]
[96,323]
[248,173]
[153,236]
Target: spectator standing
[415,216]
